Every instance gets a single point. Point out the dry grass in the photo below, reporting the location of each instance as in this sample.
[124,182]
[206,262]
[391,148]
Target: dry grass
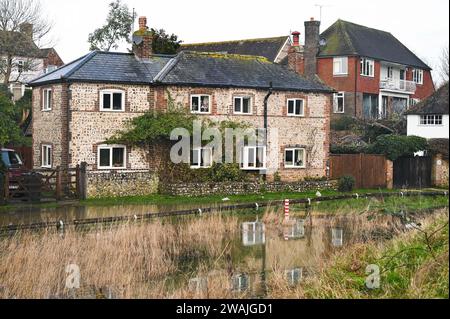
[122,257]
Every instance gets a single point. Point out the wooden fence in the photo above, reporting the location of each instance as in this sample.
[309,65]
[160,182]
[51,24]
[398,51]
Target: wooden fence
[42,185]
[369,171]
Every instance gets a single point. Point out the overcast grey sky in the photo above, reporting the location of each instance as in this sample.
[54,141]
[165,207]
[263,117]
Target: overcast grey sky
[423,26]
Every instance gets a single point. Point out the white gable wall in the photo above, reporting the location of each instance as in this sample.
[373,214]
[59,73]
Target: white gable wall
[428,131]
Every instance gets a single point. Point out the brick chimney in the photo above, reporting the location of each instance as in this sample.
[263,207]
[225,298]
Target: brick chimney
[295,55]
[142,40]
[312,35]
[27,30]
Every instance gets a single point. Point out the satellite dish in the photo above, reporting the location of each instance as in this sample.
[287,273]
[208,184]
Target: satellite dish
[322,42]
[137,39]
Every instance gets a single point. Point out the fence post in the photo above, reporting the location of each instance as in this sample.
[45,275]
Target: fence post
[82,181]
[58,183]
[3,189]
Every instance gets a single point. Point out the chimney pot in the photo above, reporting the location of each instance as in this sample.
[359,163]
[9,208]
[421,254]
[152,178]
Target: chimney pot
[296,38]
[142,23]
[311,19]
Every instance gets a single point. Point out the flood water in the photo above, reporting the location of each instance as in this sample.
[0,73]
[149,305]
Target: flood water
[228,255]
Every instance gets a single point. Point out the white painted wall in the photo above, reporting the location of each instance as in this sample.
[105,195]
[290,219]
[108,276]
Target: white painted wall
[428,131]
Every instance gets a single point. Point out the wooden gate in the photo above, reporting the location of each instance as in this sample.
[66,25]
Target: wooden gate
[412,172]
[368,170]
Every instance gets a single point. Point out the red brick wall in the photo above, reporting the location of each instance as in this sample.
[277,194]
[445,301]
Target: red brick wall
[426,89]
[339,83]
[368,84]
[53,59]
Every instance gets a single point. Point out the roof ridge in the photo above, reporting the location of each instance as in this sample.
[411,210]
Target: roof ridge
[85,59]
[167,68]
[231,55]
[234,41]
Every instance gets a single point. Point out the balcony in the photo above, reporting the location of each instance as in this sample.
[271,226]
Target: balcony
[398,86]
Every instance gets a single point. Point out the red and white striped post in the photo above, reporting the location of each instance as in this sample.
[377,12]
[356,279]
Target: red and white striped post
[286,209]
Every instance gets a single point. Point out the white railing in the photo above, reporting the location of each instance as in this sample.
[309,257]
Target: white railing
[398,85]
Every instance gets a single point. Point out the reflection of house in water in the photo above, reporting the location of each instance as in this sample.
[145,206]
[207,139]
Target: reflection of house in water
[294,276]
[253,233]
[240,282]
[198,285]
[337,237]
[295,230]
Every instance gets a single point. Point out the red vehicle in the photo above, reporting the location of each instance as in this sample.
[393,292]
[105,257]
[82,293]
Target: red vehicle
[14,164]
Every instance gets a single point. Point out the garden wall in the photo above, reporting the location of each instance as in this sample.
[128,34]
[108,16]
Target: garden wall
[439,171]
[112,184]
[241,188]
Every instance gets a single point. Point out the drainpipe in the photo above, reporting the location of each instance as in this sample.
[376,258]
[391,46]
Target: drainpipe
[266,99]
[356,85]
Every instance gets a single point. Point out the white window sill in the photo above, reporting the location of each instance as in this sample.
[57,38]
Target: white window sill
[46,166]
[368,76]
[294,167]
[206,113]
[47,110]
[296,115]
[112,111]
[253,168]
[343,112]
[340,75]
[110,168]
[237,113]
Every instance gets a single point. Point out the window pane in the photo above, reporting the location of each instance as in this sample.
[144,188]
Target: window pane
[49,156]
[204,104]
[49,102]
[251,156]
[195,158]
[195,103]
[118,157]
[106,101]
[237,104]
[289,157]
[291,107]
[298,107]
[260,157]
[299,157]
[104,157]
[246,105]
[117,101]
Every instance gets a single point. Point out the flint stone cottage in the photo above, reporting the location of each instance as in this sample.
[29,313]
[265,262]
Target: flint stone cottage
[374,75]
[80,105]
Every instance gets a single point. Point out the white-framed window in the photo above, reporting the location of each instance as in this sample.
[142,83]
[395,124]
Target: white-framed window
[46,156]
[390,72]
[111,156]
[47,98]
[112,100]
[340,65]
[200,104]
[337,237]
[50,68]
[367,67]
[253,158]
[253,233]
[339,102]
[295,107]
[431,119]
[241,283]
[20,66]
[417,76]
[413,102]
[242,105]
[294,276]
[294,158]
[201,157]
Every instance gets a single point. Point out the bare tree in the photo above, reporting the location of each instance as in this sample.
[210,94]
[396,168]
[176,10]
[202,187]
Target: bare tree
[443,68]
[22,25]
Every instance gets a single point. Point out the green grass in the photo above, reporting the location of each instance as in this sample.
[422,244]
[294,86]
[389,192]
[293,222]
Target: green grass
[411,266]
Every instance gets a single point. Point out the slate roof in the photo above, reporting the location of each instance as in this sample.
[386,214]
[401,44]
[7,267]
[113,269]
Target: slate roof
[186,68]
[266,47]
[346,38]
[231,70]
[106,67]
[434,104]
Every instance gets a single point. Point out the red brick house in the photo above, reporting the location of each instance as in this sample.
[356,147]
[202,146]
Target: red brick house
[374,74]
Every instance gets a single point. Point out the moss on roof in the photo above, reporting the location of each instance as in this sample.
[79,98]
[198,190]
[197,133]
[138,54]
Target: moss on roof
[218,55]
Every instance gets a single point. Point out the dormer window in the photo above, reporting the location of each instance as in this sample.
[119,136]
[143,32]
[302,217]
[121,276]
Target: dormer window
[112,101]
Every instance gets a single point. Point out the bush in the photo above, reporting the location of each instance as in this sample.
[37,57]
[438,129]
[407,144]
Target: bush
[346,183]
[344,123]
[395,146]
[347,149]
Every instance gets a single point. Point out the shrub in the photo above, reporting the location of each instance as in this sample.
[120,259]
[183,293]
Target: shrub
[346,183]
[395,146]
[276,177]
[347,149]
[344,123]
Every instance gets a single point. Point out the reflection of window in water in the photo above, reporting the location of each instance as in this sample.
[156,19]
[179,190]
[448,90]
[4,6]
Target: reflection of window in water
[198,284]
[297,230]
[241,282]
[253,233]
[294,276]
[337,235]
